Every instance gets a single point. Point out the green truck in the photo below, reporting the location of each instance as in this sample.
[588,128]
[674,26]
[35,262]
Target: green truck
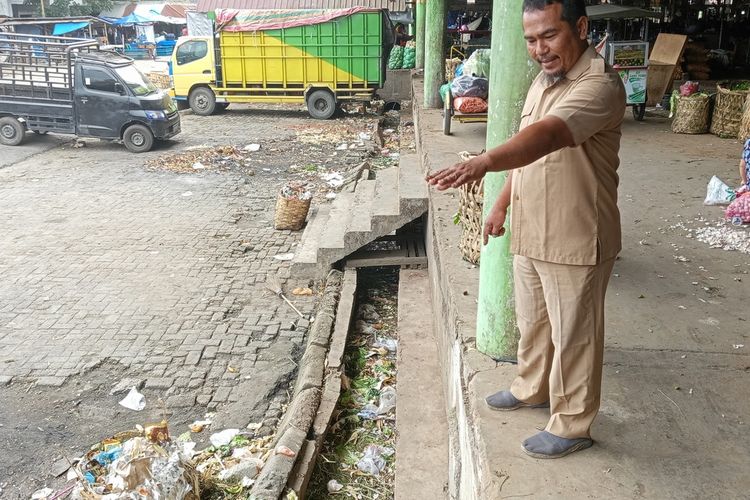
[316,57]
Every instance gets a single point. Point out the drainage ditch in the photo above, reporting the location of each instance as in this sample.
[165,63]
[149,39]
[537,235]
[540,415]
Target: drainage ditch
[357,459]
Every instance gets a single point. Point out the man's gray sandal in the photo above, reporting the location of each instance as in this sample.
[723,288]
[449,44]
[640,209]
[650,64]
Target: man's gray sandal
[506,401]
[546,445]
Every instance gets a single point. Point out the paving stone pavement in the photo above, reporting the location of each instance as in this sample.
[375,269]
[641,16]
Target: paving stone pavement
[162,273]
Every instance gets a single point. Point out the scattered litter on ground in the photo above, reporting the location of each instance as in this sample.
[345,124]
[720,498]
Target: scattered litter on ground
[302,291]
[252,148]
[224,437]
[284,256]
[738,346]
[373,460]
[134,400]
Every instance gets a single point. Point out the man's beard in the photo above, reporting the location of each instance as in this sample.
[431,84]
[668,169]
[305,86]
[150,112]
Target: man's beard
[553,78]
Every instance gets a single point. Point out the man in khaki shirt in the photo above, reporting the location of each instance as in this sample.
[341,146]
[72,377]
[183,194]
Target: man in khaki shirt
[565,224]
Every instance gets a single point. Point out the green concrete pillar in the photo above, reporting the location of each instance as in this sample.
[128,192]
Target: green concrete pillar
[434,58]
[511,73]
[420,14]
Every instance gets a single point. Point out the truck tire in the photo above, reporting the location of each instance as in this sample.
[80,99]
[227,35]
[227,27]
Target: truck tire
[12,132]
[138,138]
[202,101]
[321,104]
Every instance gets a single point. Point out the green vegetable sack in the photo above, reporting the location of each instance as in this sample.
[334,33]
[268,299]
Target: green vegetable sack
[410,58]
[396,60]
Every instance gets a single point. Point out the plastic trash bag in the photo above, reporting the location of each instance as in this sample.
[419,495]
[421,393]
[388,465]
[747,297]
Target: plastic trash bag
[718,193]
[444,89]
[478,64]
[469,86]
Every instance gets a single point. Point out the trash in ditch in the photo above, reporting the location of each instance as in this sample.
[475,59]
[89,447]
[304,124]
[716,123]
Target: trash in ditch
[342,147]
[134,400]
[369,412]
[390,345]
[224,437]
[331,196]
[387,400]
[334,486]
[364,328]
[368,313]
[373,459]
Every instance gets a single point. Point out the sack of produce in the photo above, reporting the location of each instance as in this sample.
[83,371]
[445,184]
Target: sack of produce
[688,88]
[470,104]
[396,60]
[444,89]
[478,63]
[469,86]
[739,209]
[410,58]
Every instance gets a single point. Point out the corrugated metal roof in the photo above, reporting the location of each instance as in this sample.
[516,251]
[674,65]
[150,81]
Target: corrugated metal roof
[210,5]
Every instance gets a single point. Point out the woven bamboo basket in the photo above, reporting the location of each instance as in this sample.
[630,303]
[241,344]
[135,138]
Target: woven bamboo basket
[290,213]
[728,111]
[744,133]
[691,115]
[470,216]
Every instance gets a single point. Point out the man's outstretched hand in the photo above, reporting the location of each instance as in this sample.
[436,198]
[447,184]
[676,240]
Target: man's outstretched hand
[460,173]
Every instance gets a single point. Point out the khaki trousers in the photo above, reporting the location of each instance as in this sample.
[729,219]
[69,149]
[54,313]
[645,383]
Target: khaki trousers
[560,313]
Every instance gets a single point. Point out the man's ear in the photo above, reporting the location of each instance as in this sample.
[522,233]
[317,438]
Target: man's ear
[583,27]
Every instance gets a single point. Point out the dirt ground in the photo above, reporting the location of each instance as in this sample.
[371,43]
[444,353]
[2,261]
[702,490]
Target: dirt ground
[152,268]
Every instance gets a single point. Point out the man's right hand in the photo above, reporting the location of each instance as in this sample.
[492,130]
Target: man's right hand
[494,224]
[460,173]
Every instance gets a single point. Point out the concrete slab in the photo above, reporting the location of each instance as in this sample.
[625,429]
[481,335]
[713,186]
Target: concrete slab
[421,423]
[673,421]
[386,192]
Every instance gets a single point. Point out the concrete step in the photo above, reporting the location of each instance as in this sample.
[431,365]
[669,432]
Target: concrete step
[412,186]
[421,420]
[360,224]
[339,216]
[386,193]
[307,250]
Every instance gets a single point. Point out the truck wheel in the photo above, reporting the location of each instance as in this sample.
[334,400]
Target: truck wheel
[321,104]
[202,101]
[138,138]
[12,131]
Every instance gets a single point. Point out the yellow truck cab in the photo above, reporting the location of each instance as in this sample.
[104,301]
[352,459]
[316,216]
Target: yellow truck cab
[314,57]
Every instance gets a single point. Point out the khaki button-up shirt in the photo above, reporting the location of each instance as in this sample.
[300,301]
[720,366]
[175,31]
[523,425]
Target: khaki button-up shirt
[564,205]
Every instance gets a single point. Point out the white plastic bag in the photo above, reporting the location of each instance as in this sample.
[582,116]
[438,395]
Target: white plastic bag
[718,193]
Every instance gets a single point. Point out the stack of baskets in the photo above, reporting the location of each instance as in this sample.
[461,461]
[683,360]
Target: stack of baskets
[470,217]
[728,111]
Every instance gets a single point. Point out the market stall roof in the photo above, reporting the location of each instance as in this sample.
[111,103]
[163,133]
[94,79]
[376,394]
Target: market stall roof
[211,5]
[20,21]
[609,11]
[133,19]
[158,12]
[63,28]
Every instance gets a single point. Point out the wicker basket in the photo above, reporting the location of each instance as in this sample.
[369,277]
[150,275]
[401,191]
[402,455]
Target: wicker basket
[691,114]
[470,216]
[728,111]
[290,213]
[744,133]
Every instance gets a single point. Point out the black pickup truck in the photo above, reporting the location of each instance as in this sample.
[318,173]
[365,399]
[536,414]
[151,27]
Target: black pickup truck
[69,86]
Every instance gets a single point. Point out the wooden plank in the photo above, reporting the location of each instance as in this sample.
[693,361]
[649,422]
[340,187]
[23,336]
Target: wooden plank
[659,79]
[667,49]
[396,260]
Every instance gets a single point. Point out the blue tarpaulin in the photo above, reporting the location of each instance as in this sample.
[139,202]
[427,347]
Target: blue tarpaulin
[62,28]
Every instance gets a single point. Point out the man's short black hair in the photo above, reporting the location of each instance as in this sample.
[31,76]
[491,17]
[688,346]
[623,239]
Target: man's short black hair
[572,10]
